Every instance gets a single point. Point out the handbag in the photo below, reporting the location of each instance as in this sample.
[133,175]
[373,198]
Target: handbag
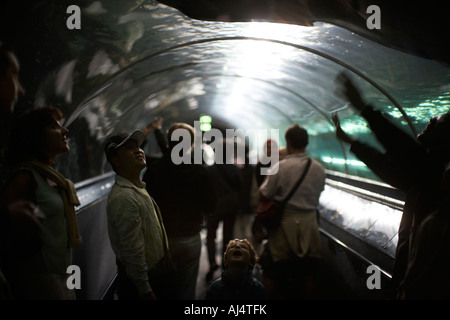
[269,213]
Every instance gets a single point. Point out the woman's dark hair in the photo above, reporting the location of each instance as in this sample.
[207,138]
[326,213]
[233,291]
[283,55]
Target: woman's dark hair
[28,132]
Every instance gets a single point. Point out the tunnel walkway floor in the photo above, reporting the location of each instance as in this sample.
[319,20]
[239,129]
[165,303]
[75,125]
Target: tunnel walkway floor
[332,283]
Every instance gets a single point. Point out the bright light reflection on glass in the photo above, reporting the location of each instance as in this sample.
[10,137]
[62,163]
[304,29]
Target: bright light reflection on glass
[362,216]
[254,59]
[354,125]
[423,112]
[283,32]
[342,161]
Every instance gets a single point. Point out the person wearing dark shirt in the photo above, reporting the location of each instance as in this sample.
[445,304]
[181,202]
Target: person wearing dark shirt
[266,160]
[227,183]
[185,196]
[414,166]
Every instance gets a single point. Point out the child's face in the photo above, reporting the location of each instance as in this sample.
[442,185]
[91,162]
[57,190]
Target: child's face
[238,253]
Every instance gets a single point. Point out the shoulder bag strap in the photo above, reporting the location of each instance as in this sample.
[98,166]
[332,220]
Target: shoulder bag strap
[299,182]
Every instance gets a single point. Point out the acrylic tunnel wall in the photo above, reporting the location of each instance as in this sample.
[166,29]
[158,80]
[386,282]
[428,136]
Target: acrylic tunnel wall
[131,61]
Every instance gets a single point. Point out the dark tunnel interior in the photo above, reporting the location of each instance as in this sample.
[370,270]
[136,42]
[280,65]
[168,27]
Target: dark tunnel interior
[249,66]
[136,60]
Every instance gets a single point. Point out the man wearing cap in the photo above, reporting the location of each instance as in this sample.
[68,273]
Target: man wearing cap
[135,226]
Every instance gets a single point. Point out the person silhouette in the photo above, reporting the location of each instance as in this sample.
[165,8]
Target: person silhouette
[413,165]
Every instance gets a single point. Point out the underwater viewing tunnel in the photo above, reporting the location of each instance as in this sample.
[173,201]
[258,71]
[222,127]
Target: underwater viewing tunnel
[252,65]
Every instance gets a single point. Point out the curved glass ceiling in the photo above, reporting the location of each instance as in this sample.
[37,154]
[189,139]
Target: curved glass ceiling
[127,65]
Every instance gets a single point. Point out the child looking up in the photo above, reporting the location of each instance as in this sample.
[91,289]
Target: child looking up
[237,281]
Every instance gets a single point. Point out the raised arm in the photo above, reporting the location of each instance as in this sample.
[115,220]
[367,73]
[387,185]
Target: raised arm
[381,164]
[398,143]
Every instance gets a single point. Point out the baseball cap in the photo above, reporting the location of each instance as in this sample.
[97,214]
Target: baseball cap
[117,140]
